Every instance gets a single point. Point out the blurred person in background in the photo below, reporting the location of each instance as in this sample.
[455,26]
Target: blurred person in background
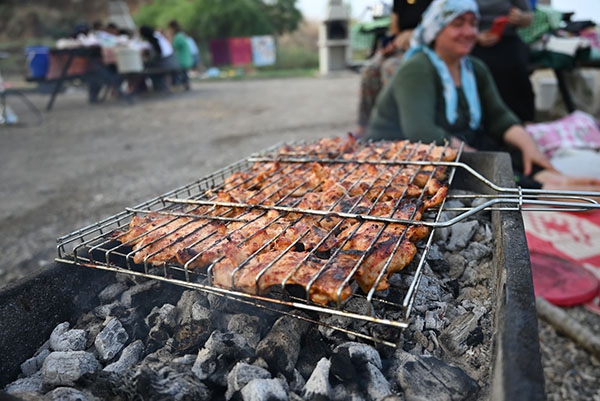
[161,56]
[183,52]
[406,15]
[505,54]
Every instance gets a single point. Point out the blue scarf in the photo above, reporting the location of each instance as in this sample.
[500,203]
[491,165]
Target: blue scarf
[469,86]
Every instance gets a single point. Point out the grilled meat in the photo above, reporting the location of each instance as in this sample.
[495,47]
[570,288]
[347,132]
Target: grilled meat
[325,251]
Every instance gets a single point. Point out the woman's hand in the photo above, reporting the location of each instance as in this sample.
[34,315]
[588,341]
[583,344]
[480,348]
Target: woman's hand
[402,39]
[519,17]
[552,180]
[520,139]
[456,143]
[487,39]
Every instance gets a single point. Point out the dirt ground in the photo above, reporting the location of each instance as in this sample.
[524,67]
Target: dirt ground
[86,162]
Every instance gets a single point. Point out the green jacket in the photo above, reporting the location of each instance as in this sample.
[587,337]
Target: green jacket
[182,51]
[412,107]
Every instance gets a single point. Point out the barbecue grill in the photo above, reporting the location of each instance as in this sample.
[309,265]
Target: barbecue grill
[97,245]
[63,293]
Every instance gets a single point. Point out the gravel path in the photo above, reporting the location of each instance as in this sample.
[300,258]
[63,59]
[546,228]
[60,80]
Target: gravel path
[87,162]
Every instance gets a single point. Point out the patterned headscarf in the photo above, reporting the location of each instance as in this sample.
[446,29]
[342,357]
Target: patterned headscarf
[439,14]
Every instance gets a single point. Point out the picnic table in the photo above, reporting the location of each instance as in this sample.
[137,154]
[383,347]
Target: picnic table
[85,64]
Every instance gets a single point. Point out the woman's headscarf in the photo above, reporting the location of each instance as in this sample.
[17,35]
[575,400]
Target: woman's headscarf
[439,14]
[147,33]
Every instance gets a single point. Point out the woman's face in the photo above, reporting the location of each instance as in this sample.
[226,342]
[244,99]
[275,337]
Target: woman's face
[458,37]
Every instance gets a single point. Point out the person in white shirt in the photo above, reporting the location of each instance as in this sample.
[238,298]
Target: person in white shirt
[161,56]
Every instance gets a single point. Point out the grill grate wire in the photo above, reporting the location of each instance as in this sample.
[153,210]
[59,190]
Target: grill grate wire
[95,245]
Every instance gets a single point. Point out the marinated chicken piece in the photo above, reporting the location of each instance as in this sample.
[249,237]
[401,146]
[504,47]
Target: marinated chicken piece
[376,260]
[377,241]
[139,226]
[251,234]
[257,275]
[161,249]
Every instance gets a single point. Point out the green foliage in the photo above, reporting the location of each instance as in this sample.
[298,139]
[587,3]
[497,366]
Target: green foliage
[295,57]
[212,19]
[283,14]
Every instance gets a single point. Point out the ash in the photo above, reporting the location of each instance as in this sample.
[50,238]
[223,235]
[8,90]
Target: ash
[148,340]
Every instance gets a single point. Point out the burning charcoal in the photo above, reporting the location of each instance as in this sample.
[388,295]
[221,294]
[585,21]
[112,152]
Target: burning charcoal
[342,369]
[162,322]
[220,353]
[129,357]
[139,294]
[356,367]
[187,360]
[63,339]
[33,364]
[360,353]
[242,374]
[457,265]
[476,251]
[437,261]
[66,394]
[264,390]
[296,383]
[423,376]
[247,326]
[158,378]
[281,346]
[314,347]
[163,316]
[112,292]
[461,234]
[30,384]
[453,339]
[64,368]
[318,387]
[168,384]
[442,234]
[434,319]
[370,385]
[191,336]
[111,340]
[430,290]
[112,309]
[484,234]
[195,322]
[333,335]
[192,307]
[377,385]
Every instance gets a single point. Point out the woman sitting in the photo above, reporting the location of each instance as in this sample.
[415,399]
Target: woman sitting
[162,56]
[440,94]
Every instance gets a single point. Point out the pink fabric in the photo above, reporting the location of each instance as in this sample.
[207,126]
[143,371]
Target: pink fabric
[219,51]
[240,50]
[593,36]
[578,130]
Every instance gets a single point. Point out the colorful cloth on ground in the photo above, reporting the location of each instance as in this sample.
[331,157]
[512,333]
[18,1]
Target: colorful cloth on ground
[571,236]
[578,130]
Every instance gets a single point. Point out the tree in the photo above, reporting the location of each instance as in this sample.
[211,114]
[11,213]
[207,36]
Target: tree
[283,14]
[223,18]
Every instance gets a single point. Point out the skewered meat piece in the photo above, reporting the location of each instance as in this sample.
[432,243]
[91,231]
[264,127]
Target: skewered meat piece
[258,274]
